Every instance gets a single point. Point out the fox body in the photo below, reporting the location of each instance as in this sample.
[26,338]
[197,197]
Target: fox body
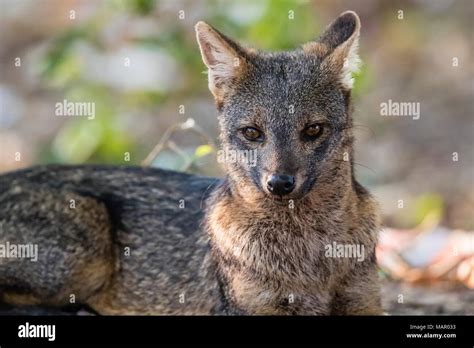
[147,241]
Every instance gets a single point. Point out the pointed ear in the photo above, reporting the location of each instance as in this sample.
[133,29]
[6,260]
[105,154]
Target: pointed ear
[338,47]
[226,60]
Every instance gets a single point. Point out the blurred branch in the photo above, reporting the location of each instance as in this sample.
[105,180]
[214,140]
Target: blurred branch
[165,141]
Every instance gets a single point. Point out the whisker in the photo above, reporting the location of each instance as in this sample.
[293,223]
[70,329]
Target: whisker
[207,189]
[361,126]
[358,164]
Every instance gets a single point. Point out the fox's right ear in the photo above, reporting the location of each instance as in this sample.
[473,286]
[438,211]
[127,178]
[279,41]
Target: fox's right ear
[225,59]
[338,47]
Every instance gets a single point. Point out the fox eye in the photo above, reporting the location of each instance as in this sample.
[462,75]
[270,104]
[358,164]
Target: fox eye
[252,134]
[313,131]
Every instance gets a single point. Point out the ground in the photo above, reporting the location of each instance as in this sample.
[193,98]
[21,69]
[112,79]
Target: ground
[427,300]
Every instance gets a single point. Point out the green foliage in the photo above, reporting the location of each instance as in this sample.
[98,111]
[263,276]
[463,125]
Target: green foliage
[428,204]
[139,7]
[284,25]
[59,66]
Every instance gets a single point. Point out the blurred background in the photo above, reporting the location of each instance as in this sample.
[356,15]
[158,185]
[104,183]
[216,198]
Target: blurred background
[138,61]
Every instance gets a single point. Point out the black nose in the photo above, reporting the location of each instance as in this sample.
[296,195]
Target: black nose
[280,184]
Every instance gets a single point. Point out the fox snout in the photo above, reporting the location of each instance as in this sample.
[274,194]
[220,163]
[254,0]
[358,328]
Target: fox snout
[280,184]
[285,184]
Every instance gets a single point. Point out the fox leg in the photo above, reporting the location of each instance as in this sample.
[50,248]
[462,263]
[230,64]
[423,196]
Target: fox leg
[72,237]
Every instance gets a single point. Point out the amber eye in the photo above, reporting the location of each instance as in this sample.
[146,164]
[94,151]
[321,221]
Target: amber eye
[313,131]
[252,134]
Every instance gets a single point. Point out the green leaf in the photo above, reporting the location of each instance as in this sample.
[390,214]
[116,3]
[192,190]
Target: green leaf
[203,150]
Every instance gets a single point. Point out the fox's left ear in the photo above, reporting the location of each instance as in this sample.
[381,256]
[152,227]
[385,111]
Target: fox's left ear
[338,46]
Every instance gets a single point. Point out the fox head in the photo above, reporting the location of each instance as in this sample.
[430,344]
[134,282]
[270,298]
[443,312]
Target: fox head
[290,109]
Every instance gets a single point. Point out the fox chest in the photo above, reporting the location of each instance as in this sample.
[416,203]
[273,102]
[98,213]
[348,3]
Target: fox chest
[294,276]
